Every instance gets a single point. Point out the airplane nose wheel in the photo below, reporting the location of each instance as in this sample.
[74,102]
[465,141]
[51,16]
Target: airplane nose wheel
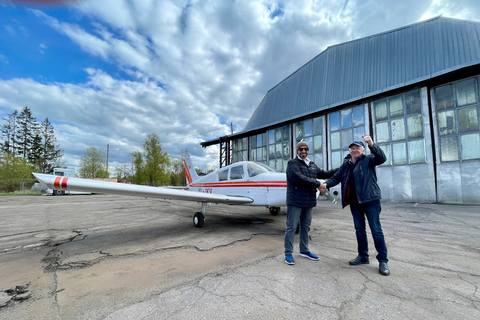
[274,211]
[198,220]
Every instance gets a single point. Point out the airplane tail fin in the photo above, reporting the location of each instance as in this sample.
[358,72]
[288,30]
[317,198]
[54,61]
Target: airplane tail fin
[190,173]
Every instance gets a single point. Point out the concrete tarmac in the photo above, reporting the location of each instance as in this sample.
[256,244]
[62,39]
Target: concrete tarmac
[114,257]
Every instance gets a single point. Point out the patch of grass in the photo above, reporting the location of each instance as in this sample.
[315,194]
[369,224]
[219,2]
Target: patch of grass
[22,193]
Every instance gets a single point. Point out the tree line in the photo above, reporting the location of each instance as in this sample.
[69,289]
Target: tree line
[28,146]
[151,166]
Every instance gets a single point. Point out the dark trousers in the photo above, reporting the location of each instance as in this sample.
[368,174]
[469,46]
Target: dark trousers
[372,211]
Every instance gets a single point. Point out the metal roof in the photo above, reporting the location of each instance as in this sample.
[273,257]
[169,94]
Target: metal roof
[363,68]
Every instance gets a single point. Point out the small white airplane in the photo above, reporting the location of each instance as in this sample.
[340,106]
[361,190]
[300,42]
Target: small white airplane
[241,183]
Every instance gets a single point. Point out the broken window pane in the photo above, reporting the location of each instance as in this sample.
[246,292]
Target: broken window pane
[468,119]
[470,146]
[449,148]
[416,151]
[382,132]
[444,97]
[446,122]
[414,127]
[399,153]
[398,129]
[380,110]
[396,106]
[299,130]
[466,92]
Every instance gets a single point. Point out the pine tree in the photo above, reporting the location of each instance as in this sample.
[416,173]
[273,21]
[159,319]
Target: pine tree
[9,129]
[49,154]
[25,133]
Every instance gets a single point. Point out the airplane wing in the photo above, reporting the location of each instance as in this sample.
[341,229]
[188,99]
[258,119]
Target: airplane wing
[96,186]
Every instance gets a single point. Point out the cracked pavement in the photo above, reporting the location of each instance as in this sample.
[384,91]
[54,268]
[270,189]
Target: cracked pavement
[113,257]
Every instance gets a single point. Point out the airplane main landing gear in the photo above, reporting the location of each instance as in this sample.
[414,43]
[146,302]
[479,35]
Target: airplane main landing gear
[274,211]
[198,220]
[199,217]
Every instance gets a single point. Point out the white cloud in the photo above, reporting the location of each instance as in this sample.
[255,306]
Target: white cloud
[196,65]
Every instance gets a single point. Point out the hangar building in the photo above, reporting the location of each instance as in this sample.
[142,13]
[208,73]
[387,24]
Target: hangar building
[414,89]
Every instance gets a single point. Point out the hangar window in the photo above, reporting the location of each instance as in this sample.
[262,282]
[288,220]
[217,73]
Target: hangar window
[399,128]
[279,148]
[311,131]
[457,113]
[345,126]
[258,148]
[239,150]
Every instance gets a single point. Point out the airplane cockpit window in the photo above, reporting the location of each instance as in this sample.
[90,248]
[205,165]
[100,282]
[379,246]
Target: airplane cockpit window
[223,175]
[237,172]
[256,168]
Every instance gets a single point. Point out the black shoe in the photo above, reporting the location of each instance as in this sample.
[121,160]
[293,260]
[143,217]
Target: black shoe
[359,260]
[383,269]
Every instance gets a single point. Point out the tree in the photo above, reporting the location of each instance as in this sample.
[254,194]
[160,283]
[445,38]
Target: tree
[156,161]
[13,171]
[151,166]
[9,130]
[92,164]
[45,154]
[138,167]
[25,132]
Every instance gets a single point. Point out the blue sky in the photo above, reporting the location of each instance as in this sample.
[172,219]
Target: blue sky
[114,71]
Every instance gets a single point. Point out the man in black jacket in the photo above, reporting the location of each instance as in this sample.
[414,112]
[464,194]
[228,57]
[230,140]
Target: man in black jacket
[302,184]
[361,191]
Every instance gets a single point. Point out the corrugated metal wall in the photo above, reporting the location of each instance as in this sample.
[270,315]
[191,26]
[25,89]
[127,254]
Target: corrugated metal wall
[363,68]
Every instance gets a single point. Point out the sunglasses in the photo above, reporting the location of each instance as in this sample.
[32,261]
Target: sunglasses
[302,149]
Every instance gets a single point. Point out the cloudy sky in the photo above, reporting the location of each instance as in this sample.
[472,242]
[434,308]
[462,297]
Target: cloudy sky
[111,72]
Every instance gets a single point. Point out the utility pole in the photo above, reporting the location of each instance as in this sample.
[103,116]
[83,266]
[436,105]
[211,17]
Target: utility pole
[108,147]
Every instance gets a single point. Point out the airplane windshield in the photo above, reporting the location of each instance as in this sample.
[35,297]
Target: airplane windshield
[256,168]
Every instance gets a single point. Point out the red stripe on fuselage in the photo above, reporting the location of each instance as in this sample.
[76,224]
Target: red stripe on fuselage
[243,184]
[56,183]
[64,183]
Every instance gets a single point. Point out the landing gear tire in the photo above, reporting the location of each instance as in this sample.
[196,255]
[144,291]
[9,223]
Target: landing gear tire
[55,192]
[198,220]
[274,211]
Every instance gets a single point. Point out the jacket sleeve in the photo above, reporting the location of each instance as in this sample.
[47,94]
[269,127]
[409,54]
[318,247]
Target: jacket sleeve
[379,156]
[337,177]
[295,175]
[322,174]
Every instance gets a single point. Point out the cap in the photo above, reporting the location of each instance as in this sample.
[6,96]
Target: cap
[300,144]
[358,143]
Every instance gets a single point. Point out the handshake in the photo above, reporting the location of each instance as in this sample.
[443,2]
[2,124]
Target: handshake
[322,188]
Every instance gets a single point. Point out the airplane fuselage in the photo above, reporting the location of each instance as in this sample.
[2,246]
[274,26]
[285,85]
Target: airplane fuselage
[247,179]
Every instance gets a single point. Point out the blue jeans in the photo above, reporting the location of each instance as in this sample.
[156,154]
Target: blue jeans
[294,216]
[372,211]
